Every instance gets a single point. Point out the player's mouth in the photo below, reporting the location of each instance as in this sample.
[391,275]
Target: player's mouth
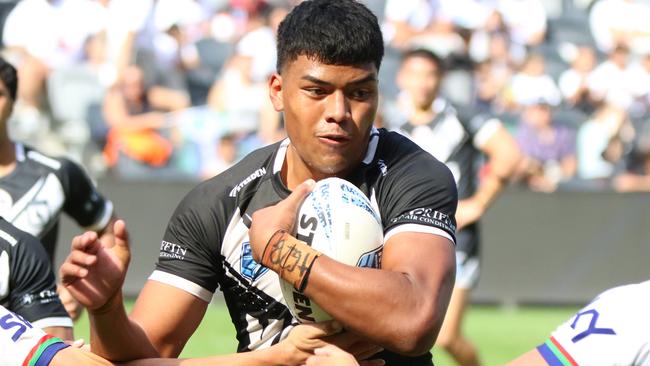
[334,139]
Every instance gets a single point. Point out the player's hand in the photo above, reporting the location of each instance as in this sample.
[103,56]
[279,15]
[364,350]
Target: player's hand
[281,216]
[94,273]
[468,212]
[71,305]
[332,355]
[304,339]
[351,343]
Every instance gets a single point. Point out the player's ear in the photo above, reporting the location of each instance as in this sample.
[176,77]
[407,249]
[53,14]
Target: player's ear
[275,91]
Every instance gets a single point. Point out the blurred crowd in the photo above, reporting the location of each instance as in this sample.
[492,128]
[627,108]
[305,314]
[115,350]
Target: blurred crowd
[176,89]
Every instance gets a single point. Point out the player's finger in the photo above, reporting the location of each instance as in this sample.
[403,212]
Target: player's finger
[121,234]
[85,242]
[81,258]
[299,193]
[71,272]
[322,329]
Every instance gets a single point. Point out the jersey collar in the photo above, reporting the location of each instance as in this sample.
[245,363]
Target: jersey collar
[370,153]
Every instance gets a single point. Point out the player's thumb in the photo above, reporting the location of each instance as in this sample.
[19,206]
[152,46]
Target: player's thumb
[298,195]
[121,240]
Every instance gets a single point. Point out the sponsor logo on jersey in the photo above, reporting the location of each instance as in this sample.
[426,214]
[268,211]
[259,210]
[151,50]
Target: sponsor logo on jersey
[5,201]
[171,250]
[372,259]
[428,216]
[42,297]
[249,268]
[256,174]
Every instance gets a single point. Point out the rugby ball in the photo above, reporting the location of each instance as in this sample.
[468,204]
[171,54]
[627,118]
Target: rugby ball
[336,219]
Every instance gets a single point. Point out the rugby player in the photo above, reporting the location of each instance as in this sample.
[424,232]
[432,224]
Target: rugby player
[35,188]
[27,283]
[457,137]
[329,54]
[24,344]
[611,330]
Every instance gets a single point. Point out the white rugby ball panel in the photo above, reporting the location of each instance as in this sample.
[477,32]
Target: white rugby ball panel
[338,220]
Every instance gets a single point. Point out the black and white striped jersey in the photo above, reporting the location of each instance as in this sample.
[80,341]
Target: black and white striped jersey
[455,137]
[206,243]
[35,193]
[27,283]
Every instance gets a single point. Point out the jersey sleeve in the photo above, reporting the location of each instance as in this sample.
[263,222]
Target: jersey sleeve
[480,126]
[83,202]
[33,286]
[188,257]
[419,195]
[22,343]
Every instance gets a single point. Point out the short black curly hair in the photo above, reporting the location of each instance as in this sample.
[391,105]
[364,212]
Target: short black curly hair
[9,77]
[334,32]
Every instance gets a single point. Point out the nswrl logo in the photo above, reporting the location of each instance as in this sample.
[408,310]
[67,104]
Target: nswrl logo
[249,268]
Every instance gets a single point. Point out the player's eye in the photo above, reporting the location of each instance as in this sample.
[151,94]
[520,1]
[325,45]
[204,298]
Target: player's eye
[361,94]
[316,92]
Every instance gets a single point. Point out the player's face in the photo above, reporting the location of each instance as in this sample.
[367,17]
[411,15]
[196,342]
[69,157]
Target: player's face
[6,106]
[420,78]
[328,112]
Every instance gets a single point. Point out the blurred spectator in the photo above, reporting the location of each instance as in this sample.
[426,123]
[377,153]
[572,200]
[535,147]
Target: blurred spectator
[224,155]
[243,101]
[259,42]
[621,22]
[421,23]
[40,36]
[610,82]
[549,148]
[639,74]
[596,153]
[493,41]
[525,19]
[636,175]
[58,39]
[574,82]
[134,114]
[531,84]
[493,75]
[165,46]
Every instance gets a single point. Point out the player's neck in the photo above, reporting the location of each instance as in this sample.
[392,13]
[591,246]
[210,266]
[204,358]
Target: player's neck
[295,171]
[7,156]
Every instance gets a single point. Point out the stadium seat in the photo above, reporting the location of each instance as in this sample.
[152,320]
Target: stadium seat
[70,93]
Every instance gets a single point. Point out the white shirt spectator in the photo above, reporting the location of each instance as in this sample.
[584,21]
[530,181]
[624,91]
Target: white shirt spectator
[53,31]
[612,84]
[526,19]
[609,17]
[530,89]
[259,45]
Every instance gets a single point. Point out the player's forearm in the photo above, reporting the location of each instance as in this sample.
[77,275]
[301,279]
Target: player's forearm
[504,161]
[390,308]
[114,336]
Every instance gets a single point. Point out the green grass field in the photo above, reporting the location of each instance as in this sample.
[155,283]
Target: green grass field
[500,334]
